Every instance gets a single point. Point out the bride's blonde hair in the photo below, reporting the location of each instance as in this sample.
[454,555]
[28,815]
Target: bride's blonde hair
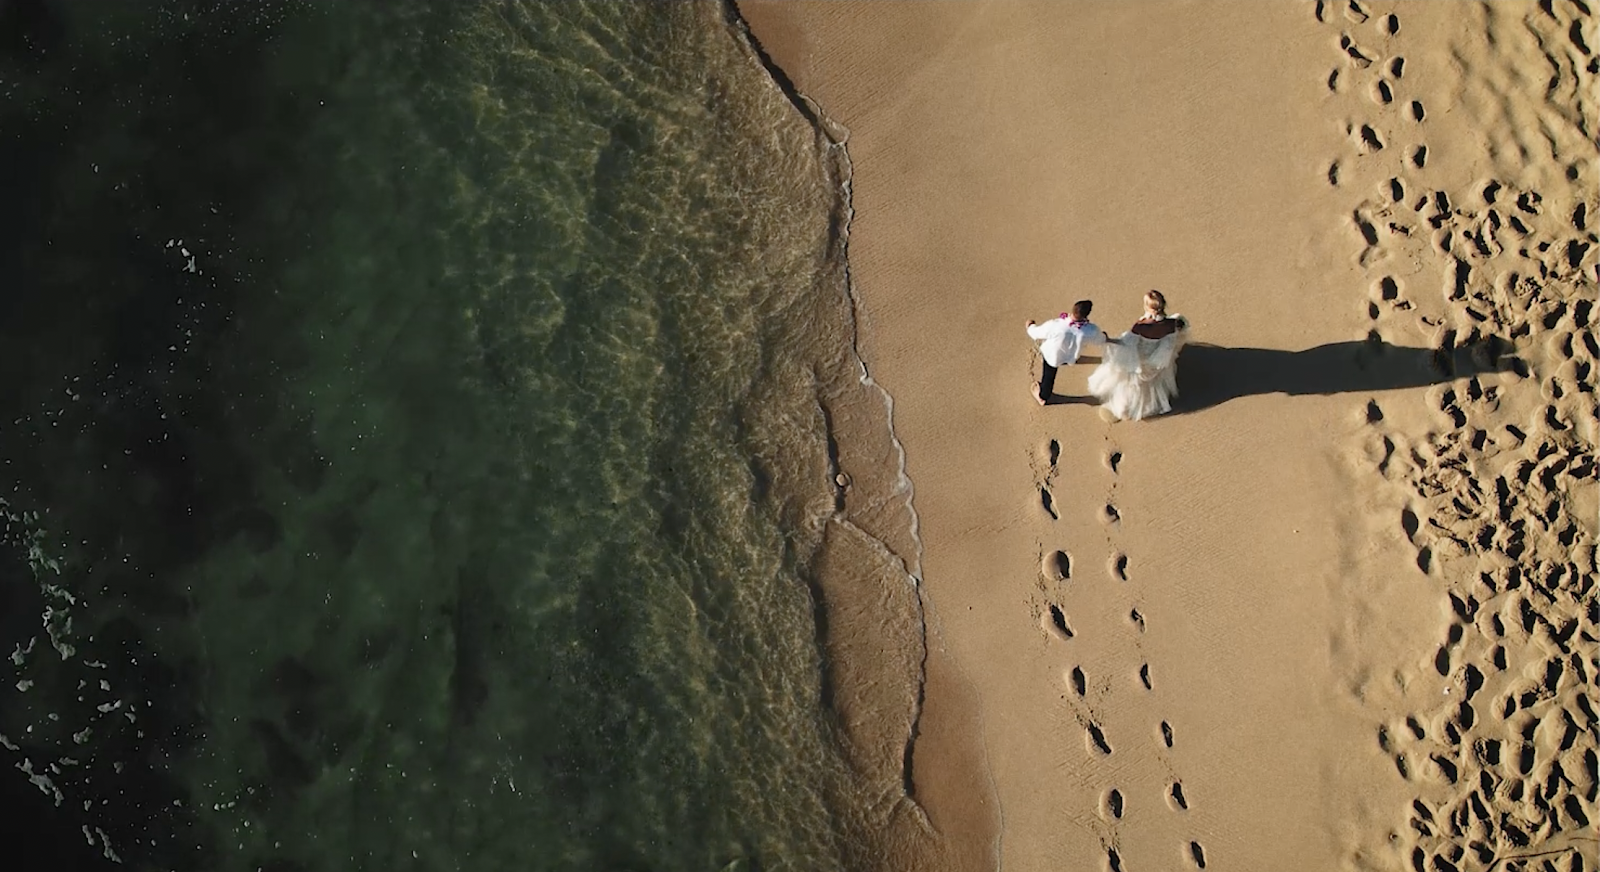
[1155,303]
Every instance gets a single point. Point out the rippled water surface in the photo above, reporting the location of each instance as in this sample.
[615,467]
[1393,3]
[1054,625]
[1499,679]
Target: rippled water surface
[412,439]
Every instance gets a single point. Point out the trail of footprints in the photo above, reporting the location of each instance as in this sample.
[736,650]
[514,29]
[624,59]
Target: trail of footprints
[1056,567]
[1505,766]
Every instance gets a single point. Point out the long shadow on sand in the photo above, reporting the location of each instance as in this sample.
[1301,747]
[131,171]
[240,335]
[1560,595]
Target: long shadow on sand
[1210,375]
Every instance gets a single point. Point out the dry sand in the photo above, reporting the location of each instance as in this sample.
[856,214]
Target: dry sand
[1338,612]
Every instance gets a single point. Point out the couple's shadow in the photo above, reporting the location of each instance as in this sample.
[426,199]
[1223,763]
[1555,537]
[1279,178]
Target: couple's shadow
[1210,375]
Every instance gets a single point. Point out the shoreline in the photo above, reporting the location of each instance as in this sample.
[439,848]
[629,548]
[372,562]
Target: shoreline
[876,503]
[598,637]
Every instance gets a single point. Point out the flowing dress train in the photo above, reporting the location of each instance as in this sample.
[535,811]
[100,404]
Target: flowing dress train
[1138,377]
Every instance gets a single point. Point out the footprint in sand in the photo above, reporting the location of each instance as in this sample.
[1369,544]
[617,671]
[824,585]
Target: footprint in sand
[1110,514]
[1196,852]
[1111,804]
[1118,565]
[1137,619]
[1368,231]
[1325,9]
[1052,454]
[1409,524]
[1166,734]
[1417,112]
[1057,566]
[1415,727]
[1080,684]
[1095,739]
[1175,797]
[1356,56]
[1113,860]
[1144,676]
[1113,460]
[1055,623]
[1448,769]
[1419,157]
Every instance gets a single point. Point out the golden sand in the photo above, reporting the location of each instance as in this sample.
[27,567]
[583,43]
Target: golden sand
[1338,611]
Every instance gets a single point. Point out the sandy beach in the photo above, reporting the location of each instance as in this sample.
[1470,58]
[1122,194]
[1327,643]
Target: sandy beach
[594,435]
[1336,611]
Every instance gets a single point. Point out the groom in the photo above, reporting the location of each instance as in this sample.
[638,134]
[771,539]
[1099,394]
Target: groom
[1060,342]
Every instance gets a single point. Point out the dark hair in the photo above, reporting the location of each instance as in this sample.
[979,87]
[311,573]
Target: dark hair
[1082,308]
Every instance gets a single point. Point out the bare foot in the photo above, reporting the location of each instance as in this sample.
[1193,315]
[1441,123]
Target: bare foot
[1039,397]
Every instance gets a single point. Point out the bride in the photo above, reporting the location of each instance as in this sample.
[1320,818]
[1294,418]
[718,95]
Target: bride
[1138,376]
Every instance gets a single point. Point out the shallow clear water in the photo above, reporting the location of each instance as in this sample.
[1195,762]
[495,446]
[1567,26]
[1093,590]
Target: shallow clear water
[424,409]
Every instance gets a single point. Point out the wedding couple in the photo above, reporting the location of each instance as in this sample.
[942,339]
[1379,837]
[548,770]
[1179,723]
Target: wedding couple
[1138,372]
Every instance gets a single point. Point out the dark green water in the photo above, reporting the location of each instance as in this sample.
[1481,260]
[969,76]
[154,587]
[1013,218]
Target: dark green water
[413,442]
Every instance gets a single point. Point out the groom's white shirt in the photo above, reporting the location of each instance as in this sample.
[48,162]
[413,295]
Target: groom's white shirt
[1064,339]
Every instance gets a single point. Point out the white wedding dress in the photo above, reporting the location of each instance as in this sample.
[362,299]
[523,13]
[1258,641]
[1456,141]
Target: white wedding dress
[1138,377]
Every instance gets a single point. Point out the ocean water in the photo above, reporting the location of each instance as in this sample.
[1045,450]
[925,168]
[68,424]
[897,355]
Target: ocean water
[417,442]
